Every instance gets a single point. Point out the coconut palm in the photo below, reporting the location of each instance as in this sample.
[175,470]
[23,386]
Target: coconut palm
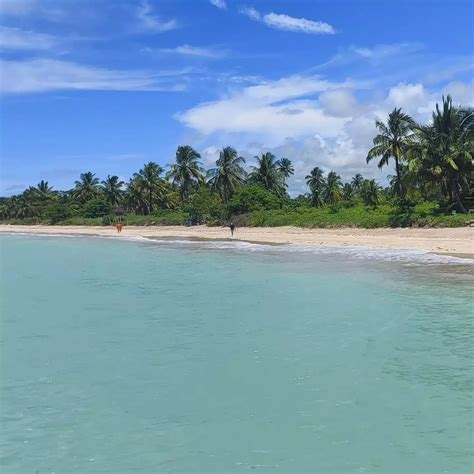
[186,172]
[228,173]
[286,167]
[332,188]
[347,191]
[393,141]
[151,184]
[267,173]
[315,181]
[357,182]
[370,192]
[43,189]
[112,187]
[445,150]
[86,187]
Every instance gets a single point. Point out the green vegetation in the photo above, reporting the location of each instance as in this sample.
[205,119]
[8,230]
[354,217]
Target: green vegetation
[431,186]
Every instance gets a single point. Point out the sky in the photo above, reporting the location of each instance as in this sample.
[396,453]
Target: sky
[108,85]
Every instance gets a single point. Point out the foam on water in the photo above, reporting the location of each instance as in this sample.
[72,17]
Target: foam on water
[357,252]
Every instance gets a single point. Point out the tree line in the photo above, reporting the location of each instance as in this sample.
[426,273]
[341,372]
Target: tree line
[433,162]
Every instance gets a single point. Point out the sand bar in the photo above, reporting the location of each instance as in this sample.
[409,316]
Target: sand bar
[451,241]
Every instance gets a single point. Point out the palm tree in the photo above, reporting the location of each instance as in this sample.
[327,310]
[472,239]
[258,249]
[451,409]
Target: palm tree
[42,190]
[357,182]
[187,171]
[347,191]
[332,188]
[228,173]
[150,183]
[286,167]
[316,183]
[445,150]
[112,187]
[393,141]
[267,173]
[370,192]
[87,187]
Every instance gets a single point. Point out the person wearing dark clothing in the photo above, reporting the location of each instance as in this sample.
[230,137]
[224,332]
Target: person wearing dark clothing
[232,228]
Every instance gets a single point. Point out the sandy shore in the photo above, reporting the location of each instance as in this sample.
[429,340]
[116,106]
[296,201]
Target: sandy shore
[456,241]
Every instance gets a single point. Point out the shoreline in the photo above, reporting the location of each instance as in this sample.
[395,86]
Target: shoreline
[456,242]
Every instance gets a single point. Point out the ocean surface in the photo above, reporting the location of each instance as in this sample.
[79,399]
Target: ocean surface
[171,356]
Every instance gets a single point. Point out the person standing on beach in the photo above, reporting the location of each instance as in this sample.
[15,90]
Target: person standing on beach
[232,228]
[119,228]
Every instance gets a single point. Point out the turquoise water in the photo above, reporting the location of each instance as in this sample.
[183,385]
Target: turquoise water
[171,357]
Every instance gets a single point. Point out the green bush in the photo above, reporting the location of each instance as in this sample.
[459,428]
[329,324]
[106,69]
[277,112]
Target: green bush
[205,207]
[96,208]
[250,199]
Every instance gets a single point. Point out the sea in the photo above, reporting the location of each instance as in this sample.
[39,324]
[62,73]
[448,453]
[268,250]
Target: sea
[137,355]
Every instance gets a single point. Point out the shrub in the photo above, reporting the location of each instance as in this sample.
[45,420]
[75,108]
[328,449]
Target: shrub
[250,199]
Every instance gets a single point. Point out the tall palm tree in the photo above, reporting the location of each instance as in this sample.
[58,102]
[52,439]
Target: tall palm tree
[315,181]
[393,141]
[370,192]
[228,173]
[445,150]
[286,167]
[332,188]
[267,173]
[186,172]
[149,181]
[86,187]
[357,182]
[112,187]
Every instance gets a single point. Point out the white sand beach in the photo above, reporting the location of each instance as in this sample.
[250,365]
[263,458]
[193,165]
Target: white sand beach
[449,241]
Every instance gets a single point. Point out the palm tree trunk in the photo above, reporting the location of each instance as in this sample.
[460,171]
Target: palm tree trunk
[150,207]
[456,196]
[401,192]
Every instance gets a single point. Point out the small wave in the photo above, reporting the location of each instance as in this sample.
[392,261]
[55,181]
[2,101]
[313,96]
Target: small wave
[357,252]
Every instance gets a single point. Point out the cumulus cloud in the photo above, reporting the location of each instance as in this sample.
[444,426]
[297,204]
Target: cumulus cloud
[312,121]
[149,22]
[462,93]
[42,75]
[284,22]
[338,102]
[219,4]
[273,109]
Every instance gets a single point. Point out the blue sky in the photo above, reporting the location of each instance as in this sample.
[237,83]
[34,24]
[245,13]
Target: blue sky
[107,85]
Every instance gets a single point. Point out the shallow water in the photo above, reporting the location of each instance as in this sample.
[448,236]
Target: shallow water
[179,357]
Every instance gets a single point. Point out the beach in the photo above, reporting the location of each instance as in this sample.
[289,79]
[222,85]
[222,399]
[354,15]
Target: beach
[446,241]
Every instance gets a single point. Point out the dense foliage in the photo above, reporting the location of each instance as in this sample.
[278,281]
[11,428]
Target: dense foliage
[431,186]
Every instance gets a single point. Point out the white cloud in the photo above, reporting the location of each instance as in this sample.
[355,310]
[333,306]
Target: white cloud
[251,12]
[414,99]
[302,25]
[17,39]
[461,92]
[274,110]
[288,23]
[312,121]
[219,4]
[41,75]
[188,50]
[339,102]
[151,23]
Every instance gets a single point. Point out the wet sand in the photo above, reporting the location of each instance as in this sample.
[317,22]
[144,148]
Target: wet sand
[444,241]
